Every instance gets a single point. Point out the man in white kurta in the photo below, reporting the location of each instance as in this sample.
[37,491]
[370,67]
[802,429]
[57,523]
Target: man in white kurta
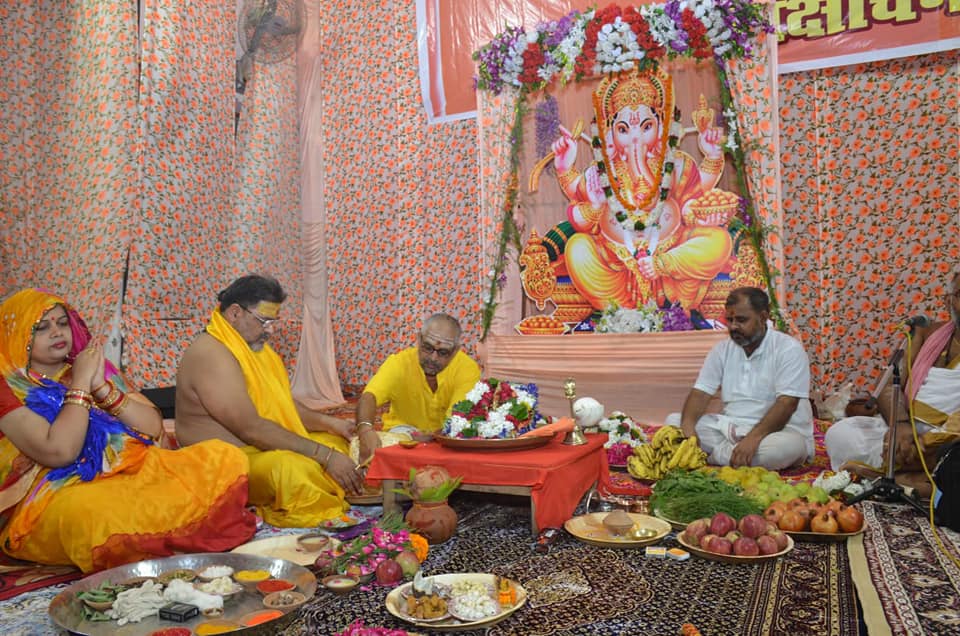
[764,381]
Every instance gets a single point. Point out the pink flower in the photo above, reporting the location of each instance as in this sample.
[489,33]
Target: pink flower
[367,549]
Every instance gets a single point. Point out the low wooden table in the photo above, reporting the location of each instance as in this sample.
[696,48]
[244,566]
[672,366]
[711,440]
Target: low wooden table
[554,476]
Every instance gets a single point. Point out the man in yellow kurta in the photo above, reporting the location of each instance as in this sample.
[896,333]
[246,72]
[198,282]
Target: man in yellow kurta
[421,383]
[232,385]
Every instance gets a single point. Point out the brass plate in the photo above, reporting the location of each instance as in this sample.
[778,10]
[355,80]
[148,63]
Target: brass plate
[514,443]
[66,609]
[283,547]
[589,528]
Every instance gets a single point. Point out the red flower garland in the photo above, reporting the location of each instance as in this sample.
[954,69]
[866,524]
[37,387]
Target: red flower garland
[697,33]
[533,59]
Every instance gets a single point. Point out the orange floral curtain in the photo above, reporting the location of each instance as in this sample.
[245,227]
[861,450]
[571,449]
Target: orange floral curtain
[181,255]
[69,198]
[871,207]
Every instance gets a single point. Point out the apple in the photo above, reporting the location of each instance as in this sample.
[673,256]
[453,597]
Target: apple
[389,572]
[695,531]
[408,562]
[753,526]
[721,524]
[719,545]
[767,544]
[780,537]
[745,546]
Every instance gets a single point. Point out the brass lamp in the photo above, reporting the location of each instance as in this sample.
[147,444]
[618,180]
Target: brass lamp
[576,436]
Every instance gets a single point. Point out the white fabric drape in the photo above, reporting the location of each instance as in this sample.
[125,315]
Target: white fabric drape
[315,381]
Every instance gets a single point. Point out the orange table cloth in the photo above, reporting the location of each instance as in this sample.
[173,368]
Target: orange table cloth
[558,475]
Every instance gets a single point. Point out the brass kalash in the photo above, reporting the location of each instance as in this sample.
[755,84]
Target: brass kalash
[576,436]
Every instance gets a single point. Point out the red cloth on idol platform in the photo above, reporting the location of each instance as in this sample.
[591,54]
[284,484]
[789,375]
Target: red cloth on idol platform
[558,475]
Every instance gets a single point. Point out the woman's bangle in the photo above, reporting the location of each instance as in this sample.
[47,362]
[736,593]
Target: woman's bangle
[115,409]
[326,460]
[77,402]
[362,424]
[114,402]
[106,383]
[78,397]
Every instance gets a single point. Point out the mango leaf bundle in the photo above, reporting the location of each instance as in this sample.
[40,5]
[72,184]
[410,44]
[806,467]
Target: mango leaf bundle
[666,451]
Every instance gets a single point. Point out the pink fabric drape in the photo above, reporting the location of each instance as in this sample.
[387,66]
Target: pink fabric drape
[315,381]
[647,376]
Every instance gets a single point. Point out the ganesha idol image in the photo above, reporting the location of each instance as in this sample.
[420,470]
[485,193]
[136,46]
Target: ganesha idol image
[623,242]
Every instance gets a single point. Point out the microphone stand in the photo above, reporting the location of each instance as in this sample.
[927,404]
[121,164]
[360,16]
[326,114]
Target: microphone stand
[886,487]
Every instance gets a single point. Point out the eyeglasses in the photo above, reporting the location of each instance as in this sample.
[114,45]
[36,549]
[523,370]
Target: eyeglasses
[430,350]
[264,322]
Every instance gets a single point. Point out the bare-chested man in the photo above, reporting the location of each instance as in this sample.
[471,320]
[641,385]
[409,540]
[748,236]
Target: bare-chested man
[231,385]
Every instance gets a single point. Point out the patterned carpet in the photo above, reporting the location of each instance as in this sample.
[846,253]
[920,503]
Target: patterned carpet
[579,589]
[908,583]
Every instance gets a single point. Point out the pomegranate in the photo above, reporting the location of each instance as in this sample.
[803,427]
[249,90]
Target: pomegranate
[752,526]
[722,523]
[773,513]
[825,522]
[745,546]
[850,519]
[833,504]
[767,544]
[792,521]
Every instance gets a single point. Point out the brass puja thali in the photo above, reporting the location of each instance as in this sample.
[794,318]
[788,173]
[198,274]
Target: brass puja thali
[493,444]
[244,610]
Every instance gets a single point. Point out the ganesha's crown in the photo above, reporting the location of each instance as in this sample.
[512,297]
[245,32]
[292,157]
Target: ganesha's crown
[631,89]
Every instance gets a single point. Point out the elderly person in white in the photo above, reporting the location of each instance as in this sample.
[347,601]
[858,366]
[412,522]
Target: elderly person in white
[764,381]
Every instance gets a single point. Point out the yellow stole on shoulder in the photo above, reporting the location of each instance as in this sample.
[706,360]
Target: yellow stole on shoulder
[264,373]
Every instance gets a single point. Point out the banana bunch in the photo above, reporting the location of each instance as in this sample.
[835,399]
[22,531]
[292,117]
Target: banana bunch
[668,450]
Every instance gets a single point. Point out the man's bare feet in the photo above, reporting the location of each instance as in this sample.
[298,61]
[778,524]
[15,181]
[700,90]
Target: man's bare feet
[918,481]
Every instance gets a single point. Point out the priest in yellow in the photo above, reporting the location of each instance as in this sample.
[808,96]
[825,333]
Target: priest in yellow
[231,385]
[421,384]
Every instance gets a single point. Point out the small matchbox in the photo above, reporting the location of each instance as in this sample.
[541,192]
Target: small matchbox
[677,554]
[655,552]
[178,612]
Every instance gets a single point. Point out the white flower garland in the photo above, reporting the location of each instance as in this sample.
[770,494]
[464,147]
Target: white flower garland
[617,48]
[644,319]
[632,436]
[663,29]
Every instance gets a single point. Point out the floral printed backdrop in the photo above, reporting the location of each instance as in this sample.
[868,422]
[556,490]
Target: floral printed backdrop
[871,206]
[402,197]
[68,186]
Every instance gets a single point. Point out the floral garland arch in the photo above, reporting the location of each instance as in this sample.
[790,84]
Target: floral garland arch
[608,41]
